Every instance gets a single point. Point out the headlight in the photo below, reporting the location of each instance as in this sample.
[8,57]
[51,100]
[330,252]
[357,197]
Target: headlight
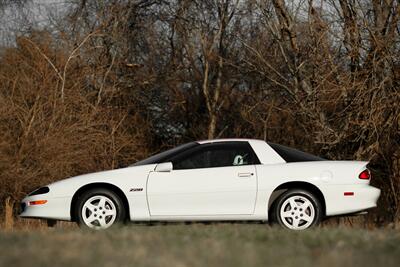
[39,191]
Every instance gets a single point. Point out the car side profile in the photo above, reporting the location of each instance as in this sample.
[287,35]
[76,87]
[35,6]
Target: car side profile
[212,180]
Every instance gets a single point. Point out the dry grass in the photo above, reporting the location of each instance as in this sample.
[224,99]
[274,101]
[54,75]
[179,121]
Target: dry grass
[201,245]
[29,225]
[8,214]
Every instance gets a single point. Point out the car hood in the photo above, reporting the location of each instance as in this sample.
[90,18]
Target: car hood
[118,177]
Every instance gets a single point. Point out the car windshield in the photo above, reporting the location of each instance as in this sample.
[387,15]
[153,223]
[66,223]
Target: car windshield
[164,156]
[293,155]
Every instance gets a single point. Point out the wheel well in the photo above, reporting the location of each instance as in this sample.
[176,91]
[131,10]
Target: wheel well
[87,187]
[297,185]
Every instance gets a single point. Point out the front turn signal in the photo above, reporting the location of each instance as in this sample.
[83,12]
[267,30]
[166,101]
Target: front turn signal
[37,202]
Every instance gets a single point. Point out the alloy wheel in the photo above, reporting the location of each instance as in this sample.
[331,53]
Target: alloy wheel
[297,212]
[99,212]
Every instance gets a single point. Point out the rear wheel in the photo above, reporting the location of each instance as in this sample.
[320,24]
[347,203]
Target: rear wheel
[296,209]
[99,209]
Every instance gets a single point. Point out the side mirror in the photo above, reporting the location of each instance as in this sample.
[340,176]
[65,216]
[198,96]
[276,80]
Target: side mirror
[164,167]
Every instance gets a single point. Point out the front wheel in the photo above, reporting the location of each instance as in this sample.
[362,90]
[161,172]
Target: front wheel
[296,210]
[99,209]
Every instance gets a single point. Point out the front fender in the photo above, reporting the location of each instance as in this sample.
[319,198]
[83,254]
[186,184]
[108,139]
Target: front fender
[60,197]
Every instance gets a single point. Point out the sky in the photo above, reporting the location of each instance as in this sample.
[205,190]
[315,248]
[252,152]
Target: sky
[14,21]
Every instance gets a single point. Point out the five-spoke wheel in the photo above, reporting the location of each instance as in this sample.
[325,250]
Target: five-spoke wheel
[99,209]
[296,210]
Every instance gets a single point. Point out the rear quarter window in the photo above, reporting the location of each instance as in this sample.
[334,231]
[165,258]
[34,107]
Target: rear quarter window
[293,155]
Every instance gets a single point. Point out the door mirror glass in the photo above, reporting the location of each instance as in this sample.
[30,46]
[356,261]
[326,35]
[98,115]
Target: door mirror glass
[164,167]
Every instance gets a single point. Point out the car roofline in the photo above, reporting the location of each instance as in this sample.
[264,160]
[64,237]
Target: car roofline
[227,140]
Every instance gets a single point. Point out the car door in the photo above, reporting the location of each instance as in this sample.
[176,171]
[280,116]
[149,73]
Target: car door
[210,179]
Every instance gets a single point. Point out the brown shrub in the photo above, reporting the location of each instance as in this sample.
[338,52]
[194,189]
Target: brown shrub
[45,137]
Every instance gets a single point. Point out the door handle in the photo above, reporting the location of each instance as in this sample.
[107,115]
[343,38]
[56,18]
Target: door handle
[245,174]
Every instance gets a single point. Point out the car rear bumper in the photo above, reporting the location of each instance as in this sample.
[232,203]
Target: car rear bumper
[345,199]
[55,208]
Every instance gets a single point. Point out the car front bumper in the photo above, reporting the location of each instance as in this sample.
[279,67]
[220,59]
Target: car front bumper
[57,208]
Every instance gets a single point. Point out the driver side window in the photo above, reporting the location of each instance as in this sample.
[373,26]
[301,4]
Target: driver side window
[216,155]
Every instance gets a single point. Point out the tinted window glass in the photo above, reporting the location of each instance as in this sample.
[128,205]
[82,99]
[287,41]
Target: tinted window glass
[164,156]
[216,155]
[293,155]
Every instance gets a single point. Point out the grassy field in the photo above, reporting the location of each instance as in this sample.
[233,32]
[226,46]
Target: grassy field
[201,245]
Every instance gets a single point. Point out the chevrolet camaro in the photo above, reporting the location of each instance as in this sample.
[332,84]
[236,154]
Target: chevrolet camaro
[214,180]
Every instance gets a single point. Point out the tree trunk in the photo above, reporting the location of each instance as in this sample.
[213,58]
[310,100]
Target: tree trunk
[212,126]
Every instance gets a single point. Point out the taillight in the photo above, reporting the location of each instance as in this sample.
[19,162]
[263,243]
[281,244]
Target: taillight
[365,175]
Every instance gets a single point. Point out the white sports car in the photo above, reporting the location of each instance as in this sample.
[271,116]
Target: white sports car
[215,180]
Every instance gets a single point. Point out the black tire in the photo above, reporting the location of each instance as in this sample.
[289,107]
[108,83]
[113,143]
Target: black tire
[100,192]
[275,209]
